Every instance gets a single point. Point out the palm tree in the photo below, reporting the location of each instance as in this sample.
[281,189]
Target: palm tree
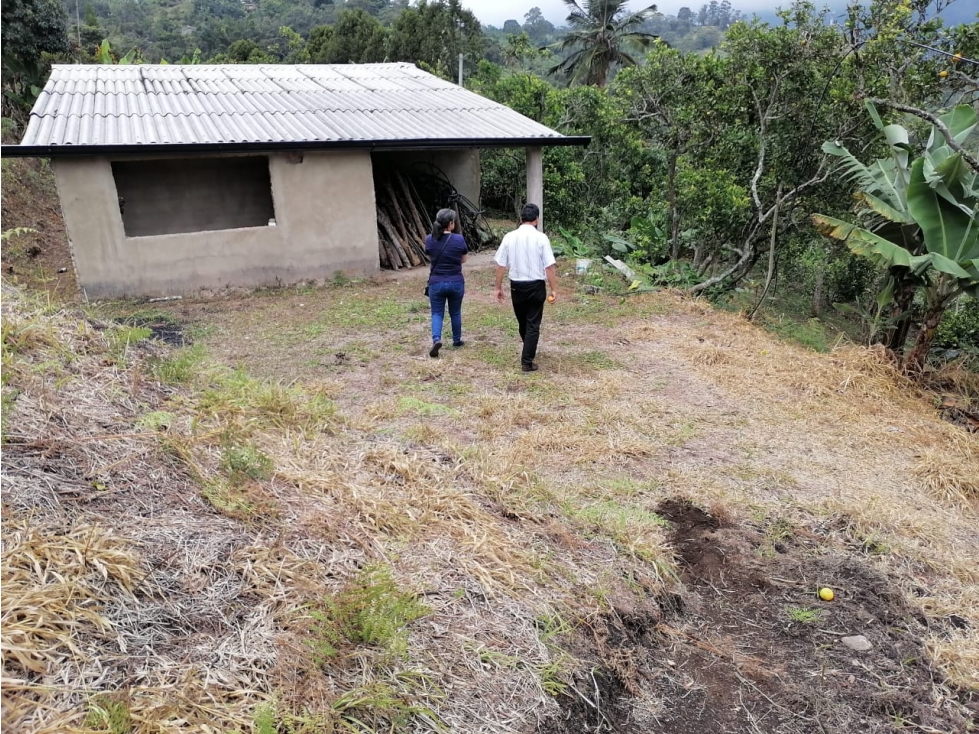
[599,34]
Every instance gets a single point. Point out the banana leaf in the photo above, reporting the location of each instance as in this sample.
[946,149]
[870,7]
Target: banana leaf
[948,230]
[862,241]
[961,121]
[884,209]
[921,263]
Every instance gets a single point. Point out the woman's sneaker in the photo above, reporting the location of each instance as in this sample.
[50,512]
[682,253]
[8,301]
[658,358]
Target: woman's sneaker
[434,351]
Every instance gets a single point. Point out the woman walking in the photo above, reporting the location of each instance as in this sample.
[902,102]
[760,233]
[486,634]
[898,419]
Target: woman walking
[447,252]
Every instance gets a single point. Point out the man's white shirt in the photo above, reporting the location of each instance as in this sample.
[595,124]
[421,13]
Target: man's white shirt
[526,252]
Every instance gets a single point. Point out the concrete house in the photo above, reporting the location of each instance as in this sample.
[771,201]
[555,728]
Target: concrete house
[175,178]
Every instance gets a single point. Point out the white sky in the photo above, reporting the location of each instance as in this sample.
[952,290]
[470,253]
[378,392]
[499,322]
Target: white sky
[496,12]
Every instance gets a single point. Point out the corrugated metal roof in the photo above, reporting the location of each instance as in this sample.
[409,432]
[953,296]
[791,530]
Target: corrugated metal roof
[108,106]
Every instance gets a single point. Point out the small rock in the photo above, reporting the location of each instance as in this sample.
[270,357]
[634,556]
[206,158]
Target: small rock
[857,642]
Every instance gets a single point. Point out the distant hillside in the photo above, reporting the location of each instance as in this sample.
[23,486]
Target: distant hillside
[960,11]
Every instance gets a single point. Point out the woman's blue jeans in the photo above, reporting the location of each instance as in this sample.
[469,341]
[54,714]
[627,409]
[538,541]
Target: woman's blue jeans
[438,295]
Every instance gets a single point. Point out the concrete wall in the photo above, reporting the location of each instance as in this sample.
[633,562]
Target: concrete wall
[325,222]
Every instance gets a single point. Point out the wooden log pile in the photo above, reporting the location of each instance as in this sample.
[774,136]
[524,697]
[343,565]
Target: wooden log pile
[402,221]
[407,199]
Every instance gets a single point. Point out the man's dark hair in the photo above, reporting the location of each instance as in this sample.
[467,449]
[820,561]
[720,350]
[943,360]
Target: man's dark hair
[529,213]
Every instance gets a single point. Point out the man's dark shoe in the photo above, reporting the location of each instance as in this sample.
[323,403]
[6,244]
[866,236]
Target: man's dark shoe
[532,367]
[434,351]
[459,344]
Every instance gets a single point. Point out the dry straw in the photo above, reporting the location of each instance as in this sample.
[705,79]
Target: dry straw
[523,501]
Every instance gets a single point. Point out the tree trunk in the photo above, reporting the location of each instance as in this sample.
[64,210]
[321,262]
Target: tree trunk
[674,214]
[407,238]
[901,312]
[915,361]
[773,241]
[420,205]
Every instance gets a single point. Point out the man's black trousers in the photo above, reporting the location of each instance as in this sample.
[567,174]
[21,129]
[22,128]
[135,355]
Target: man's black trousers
[528,298]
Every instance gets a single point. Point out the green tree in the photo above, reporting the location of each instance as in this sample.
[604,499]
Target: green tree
[244,52]
[538,28]
[297,52]
[781,95]
[665,100]
[357,38]
[371,7]
[600,37]
[435,33]
[33,32]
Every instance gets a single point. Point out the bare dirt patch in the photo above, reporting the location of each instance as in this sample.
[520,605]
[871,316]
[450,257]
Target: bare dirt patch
[747,645]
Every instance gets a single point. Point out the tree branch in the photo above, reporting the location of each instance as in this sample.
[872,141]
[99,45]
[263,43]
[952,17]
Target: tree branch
[939,125]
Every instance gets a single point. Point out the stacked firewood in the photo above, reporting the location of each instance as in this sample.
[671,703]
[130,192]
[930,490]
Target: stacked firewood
[402,221]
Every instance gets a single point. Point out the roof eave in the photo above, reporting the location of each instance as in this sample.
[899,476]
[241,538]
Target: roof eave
[66,151]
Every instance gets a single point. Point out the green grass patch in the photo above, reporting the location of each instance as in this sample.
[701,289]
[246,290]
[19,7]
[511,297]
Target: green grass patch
[370,610]
[120,339]
[109,715]
[630,527]
[157,420]
[237,394]
[789,316]
[624,487]
[803,615]
[147,317]
[361,313]
[812,333]
[246,461]
[416,406]
[229,499]
[494,318]
[594,359]
[180,367]
[499,357]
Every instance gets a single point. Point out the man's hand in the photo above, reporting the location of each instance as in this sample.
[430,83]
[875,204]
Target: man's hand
[499,295]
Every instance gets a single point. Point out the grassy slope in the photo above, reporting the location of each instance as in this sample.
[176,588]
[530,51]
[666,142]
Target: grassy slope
[304,522]
[228,514]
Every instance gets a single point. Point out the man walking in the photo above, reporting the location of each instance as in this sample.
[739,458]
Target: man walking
[527,254]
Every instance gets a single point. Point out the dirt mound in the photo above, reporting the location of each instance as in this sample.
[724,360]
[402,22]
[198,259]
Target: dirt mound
[748,646]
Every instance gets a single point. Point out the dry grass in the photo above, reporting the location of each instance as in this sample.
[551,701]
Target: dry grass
[501,499]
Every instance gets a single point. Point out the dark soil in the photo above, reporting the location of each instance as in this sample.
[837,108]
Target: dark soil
[163,327]
[746,645]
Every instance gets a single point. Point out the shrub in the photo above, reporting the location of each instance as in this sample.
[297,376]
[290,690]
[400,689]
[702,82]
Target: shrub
[959,327]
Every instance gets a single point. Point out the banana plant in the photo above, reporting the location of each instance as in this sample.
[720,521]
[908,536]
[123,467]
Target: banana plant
[917,218]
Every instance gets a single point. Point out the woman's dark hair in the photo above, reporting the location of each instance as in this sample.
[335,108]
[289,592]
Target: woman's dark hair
[443,219]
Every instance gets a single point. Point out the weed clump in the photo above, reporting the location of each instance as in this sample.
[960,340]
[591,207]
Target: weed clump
[370,610]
